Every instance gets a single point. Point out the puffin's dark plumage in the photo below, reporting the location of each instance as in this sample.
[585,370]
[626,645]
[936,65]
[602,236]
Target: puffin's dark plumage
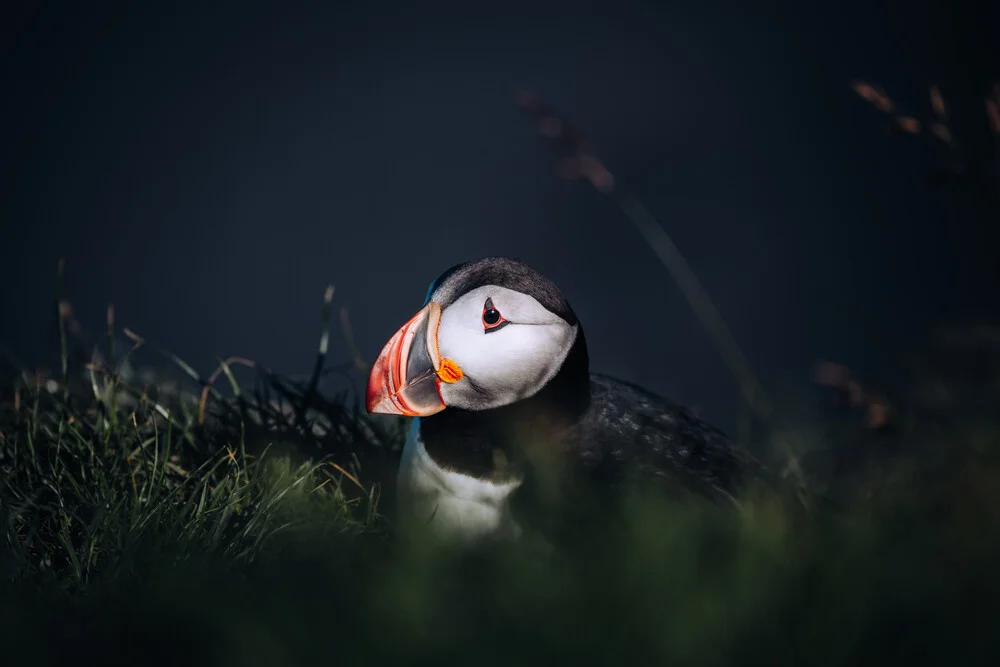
[629,427]
[497,422]
[503,272]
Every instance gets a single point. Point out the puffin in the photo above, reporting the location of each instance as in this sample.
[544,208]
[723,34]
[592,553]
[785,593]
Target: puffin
[495,374]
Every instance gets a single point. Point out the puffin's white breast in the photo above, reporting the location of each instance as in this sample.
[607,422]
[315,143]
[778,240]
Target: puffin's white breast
[450,503]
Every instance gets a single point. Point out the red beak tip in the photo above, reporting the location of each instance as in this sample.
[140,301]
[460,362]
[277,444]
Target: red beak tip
[374,399]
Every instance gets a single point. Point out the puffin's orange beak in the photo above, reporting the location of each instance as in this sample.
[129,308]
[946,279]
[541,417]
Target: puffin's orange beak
[407,375]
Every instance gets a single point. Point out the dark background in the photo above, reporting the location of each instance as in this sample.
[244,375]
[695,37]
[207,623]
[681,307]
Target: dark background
[210,168]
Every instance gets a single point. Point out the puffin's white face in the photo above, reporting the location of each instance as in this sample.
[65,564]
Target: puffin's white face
[490,347]
[506,343]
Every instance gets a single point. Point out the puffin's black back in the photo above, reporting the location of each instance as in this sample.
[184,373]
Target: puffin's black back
[630,430]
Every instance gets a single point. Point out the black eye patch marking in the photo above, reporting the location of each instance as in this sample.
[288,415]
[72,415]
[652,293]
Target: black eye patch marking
[492,319]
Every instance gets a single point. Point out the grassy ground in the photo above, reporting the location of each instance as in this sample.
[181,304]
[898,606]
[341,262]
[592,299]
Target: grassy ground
[142,528]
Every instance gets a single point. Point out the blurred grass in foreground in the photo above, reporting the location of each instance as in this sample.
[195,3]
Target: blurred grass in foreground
[137,531]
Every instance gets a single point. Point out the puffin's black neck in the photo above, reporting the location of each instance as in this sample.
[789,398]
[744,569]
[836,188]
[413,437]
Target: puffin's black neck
[467,441]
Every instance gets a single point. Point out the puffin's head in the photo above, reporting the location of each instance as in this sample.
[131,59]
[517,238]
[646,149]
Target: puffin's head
[492,332]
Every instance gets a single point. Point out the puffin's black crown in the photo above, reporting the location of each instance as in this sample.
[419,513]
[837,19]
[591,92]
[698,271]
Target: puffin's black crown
[503,272]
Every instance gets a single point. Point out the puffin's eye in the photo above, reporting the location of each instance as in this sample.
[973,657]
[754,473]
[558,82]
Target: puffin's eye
[492,319]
